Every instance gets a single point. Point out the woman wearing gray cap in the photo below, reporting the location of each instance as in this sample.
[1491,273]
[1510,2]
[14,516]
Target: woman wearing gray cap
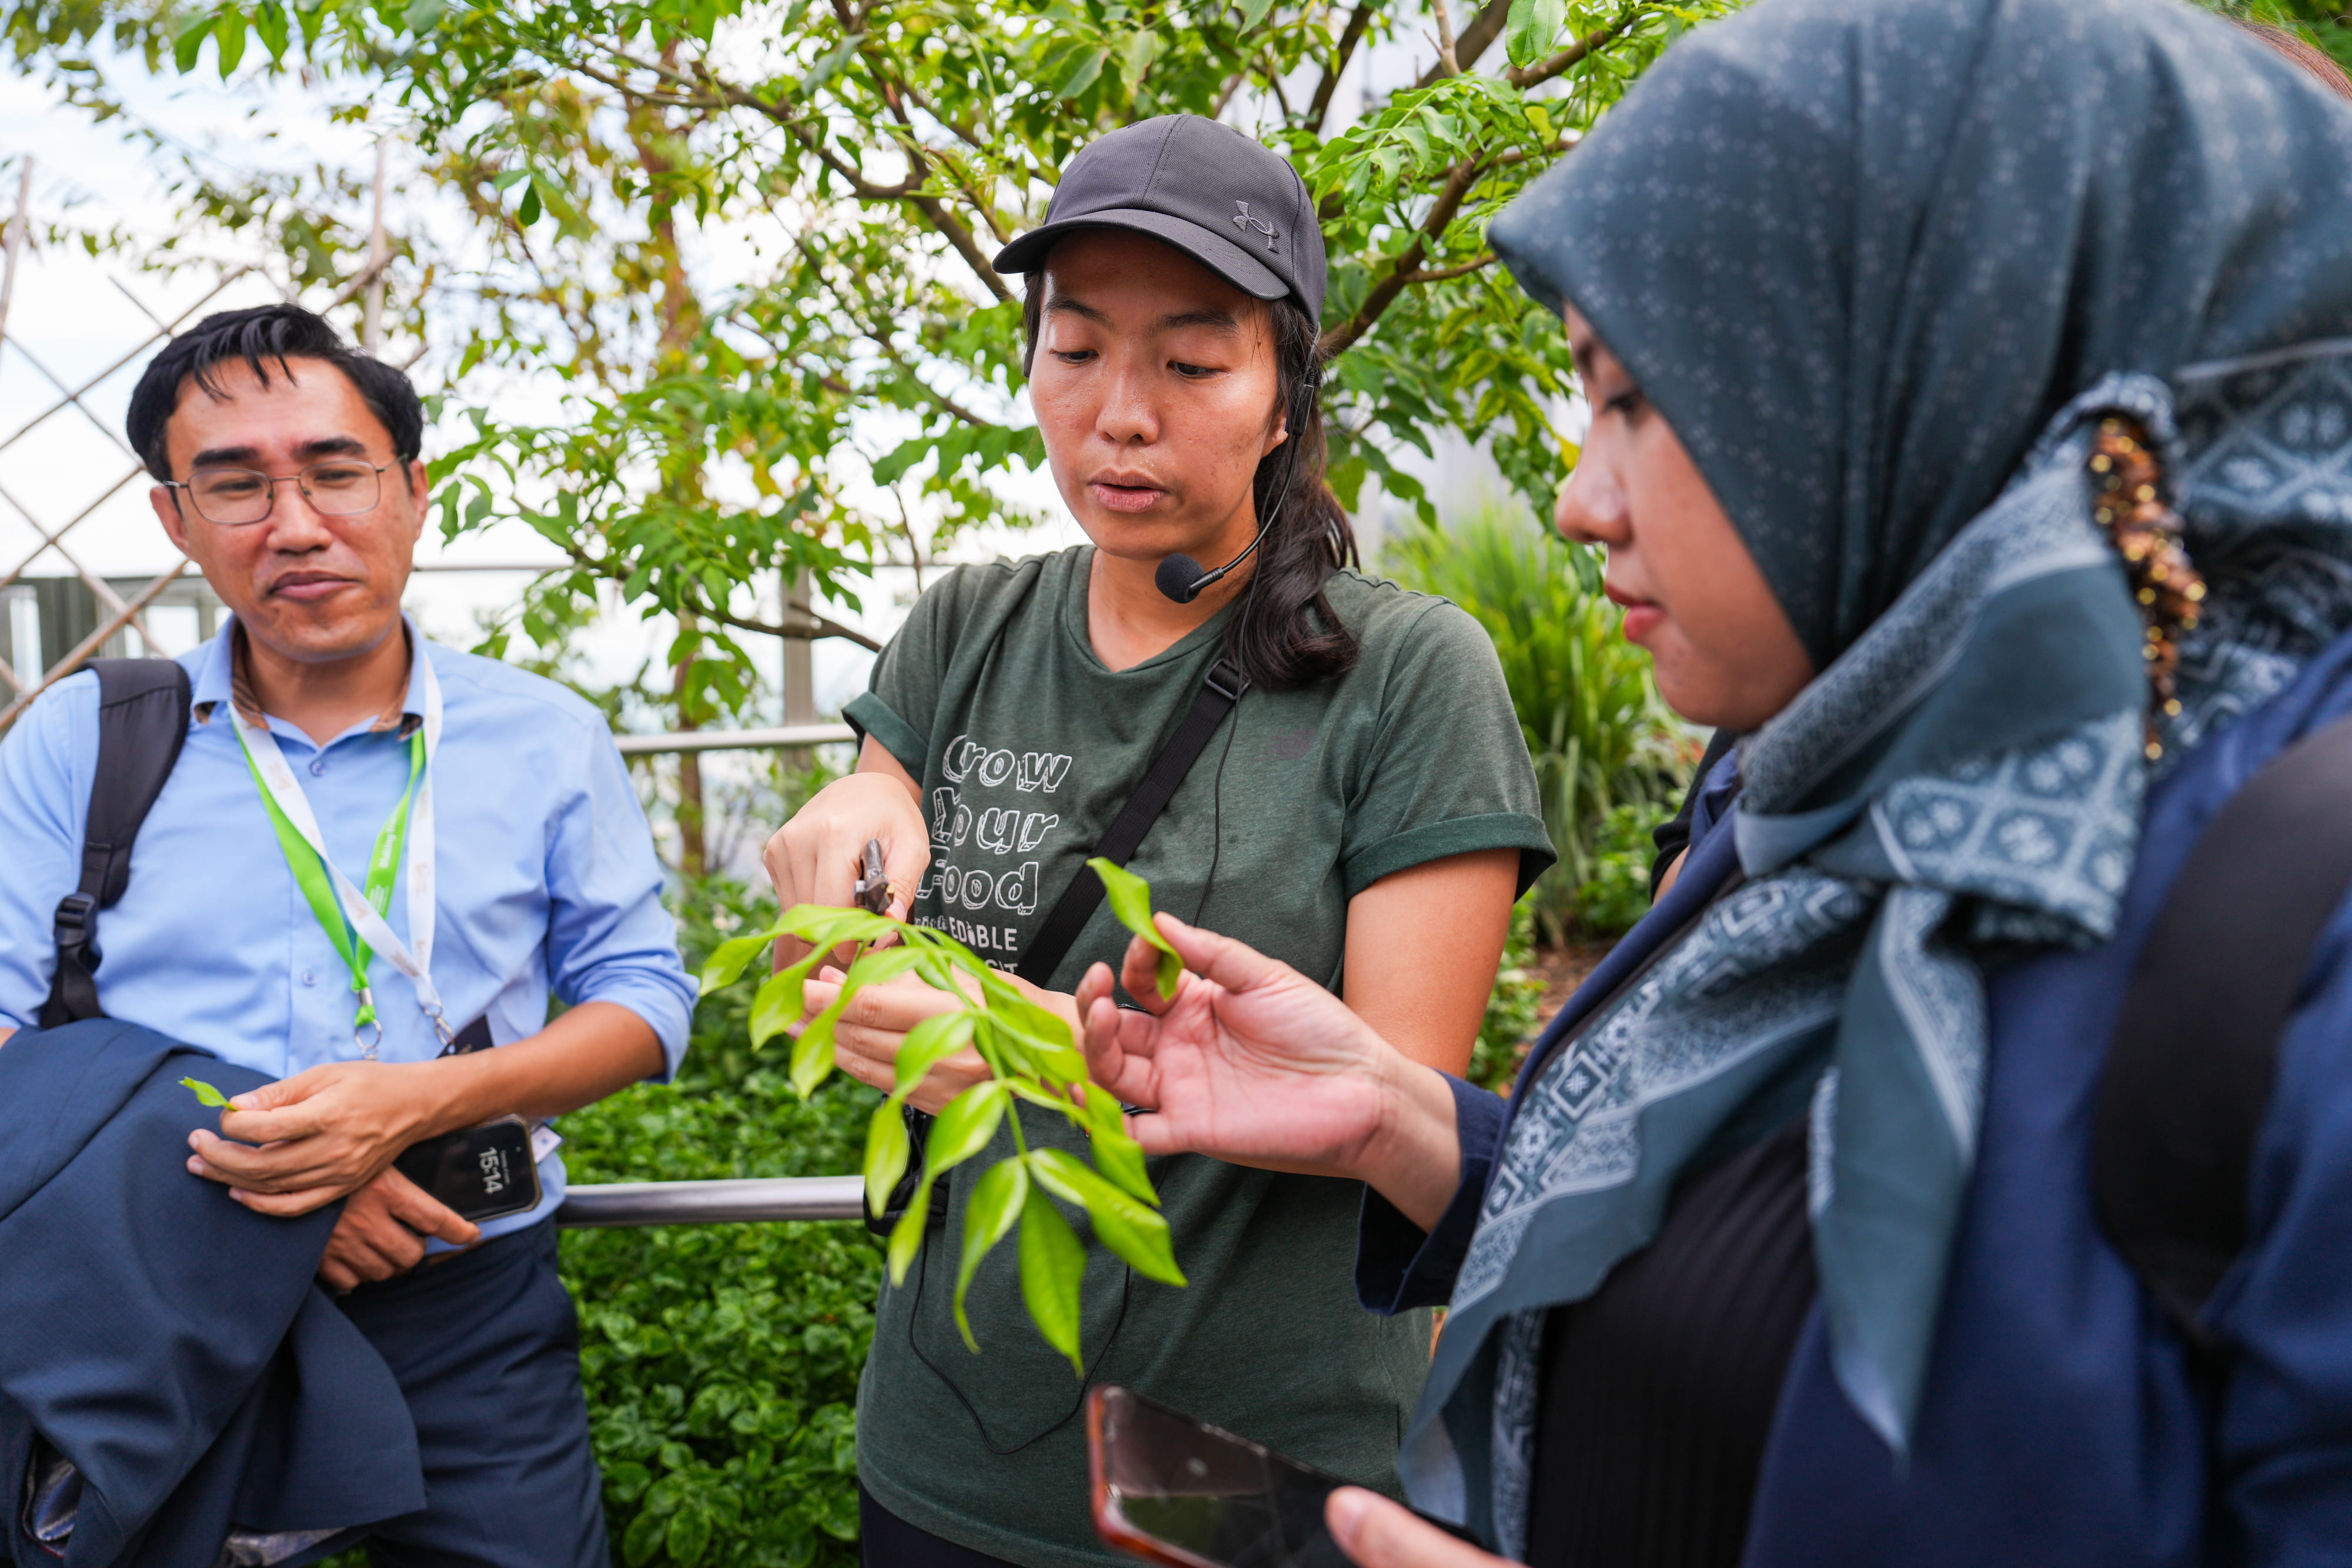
[1343,781]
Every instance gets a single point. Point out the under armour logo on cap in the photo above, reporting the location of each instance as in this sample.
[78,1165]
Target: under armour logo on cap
[1242,220]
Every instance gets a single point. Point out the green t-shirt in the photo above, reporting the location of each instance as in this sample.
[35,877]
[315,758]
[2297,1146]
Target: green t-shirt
[1027,747]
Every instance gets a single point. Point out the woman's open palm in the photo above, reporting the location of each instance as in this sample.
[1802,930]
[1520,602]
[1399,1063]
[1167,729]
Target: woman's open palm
[1251,1061]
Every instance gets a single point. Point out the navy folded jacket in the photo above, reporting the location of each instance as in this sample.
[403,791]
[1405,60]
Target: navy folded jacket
[169,1344]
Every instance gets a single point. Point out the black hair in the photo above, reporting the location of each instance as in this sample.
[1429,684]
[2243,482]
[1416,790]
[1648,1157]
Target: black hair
[1285,635]
[266,332]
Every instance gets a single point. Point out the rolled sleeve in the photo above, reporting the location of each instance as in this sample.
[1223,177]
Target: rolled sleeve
[608,937]
[1399,1266]
[873,719]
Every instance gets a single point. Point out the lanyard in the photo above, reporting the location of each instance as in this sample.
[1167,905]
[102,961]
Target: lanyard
[354,920]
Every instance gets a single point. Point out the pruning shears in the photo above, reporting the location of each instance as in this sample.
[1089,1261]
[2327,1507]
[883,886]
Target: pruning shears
[872,890]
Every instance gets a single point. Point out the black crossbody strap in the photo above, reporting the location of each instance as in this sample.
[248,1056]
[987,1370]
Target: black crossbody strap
[1221,688]
[143,720]
[2189,1077]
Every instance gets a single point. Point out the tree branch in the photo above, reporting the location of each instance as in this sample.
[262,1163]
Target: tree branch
[1544,70]
[1482,30]
[815,626]
[1353,35]
[1446,63]
[1441,274]
[812,626]
[1406,270]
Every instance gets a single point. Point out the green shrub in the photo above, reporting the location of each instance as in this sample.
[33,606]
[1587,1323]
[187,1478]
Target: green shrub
[1594,724]
[1617,893]
[721,1361]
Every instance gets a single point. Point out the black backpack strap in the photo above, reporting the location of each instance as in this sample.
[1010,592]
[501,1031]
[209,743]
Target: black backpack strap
[1221,688]
[2189,1077]
[143,720]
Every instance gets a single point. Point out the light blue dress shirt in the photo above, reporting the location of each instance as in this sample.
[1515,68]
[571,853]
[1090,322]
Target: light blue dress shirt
[546,879]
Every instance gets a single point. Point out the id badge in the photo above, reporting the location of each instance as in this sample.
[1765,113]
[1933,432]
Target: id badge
[481,1172]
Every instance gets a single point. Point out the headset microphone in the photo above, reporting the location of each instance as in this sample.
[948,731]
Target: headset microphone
[1179,576]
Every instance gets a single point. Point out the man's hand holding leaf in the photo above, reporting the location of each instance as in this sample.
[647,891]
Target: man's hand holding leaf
[297,1144]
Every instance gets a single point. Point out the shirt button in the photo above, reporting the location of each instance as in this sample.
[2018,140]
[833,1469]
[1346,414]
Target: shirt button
[317,766]
[308,978]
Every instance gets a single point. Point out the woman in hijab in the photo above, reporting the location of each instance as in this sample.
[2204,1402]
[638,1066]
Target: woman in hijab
[1901,320]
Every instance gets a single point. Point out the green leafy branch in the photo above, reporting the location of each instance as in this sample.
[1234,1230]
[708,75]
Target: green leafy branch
[1031,1057]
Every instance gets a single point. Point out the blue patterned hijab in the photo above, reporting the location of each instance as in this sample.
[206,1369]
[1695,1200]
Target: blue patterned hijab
[1880,264]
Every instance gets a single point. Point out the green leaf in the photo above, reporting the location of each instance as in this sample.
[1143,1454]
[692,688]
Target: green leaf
[527,212]
[892,466]
[1053,1265]
[929,1043]
[1130,900]
[1082,75]
[880,965]
[689,1536]
[270,27]
[423,15]
[191,42]
[778,1004]
[1254,12]
[996,1202]
[907,1236]
[228,34]
[206,1092]
[887,1150]
[823,926]
[1132,1229]
[645,1539]
[1117,1154]
[1534,23]
[726,960]
[812,1062]
[965,1125]
[1142,47]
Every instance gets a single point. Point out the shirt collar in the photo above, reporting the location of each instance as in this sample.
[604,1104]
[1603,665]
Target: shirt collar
[226,675]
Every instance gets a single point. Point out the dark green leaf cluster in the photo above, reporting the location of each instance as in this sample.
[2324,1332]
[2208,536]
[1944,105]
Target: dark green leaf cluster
[721,1362]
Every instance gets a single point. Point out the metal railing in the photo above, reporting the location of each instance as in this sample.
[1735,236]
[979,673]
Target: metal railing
[735,739]
[754,1199]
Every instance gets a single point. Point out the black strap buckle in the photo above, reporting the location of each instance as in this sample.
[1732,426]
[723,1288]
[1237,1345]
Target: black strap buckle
[1226,681]
[77,917]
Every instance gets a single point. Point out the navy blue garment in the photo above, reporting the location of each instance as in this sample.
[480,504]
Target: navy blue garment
[2060,1423]
[168,1342]
[485,1346]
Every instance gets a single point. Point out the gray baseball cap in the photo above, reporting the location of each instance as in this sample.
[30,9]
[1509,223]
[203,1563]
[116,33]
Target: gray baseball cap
[1214,194]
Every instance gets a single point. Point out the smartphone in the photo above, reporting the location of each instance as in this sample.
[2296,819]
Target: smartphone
[1174,1490]
[481,1172]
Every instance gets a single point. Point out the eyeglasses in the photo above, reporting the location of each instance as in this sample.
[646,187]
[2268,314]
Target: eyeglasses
[232,498]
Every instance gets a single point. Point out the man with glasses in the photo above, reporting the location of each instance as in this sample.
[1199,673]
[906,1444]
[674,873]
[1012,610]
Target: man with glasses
[505,860]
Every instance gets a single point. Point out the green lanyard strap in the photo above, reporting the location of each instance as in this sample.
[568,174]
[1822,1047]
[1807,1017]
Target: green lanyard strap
[318,890]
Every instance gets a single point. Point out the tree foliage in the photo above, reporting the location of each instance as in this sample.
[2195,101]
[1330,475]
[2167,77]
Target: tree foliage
[752,236]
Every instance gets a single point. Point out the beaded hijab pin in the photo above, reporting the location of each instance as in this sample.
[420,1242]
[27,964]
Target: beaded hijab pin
[2129,505]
